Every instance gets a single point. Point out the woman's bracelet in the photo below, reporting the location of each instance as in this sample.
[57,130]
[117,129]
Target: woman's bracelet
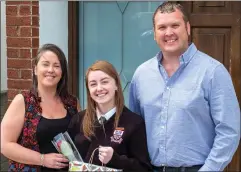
[42,159]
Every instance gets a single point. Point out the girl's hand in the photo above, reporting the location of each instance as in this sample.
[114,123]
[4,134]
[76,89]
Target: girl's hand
[105,154]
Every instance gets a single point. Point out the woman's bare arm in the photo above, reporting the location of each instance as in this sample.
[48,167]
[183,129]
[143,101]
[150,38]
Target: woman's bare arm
[11,127]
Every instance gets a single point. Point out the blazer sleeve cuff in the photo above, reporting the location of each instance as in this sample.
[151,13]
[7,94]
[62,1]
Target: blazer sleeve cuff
[115,161]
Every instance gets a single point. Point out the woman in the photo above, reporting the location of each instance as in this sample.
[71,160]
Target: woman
[121,139]
[35,117]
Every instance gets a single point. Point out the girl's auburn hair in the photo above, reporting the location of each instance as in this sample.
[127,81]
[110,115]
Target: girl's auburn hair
[90,114]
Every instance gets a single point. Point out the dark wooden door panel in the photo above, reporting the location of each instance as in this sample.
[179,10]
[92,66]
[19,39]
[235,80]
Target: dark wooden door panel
[213,6]
[214,42]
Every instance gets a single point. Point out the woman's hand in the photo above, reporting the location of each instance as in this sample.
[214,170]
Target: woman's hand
[55,160]
[105,154]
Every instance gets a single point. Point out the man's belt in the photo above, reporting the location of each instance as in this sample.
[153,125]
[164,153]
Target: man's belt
[194,168]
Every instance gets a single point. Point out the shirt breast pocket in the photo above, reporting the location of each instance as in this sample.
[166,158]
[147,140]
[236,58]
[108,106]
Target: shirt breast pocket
[187,97]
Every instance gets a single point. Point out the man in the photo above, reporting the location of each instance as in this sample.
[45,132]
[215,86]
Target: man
[187,100]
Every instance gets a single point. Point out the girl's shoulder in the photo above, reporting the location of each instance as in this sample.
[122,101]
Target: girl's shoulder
[131,117]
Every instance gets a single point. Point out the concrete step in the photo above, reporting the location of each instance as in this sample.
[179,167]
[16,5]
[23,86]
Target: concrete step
[3,106]
[4,163]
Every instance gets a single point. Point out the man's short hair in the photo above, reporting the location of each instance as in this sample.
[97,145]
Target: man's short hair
[169,7]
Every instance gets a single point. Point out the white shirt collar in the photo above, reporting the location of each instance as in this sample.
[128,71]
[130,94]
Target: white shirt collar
[107,115]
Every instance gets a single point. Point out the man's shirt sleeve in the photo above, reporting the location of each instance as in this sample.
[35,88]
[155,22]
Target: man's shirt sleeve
[134,104]
[225,112]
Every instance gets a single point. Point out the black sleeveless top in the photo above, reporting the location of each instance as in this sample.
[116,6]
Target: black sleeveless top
[28,135]
[47,129]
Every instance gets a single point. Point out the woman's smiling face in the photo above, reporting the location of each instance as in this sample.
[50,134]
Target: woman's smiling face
[48,70]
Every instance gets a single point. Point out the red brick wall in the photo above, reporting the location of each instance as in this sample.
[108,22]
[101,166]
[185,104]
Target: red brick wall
[22,36]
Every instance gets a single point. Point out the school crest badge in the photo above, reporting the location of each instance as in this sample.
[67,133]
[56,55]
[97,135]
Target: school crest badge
[117,135]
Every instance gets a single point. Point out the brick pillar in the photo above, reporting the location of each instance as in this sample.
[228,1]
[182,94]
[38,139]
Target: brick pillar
[22,36]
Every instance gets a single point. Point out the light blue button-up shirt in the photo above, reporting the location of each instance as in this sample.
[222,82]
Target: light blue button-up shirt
[192,117]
